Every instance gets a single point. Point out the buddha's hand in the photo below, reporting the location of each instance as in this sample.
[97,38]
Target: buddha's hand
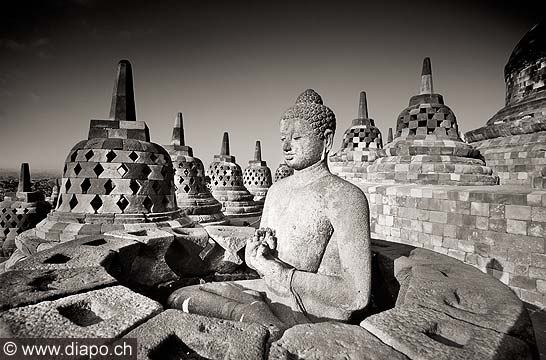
[275,273]
[264,236]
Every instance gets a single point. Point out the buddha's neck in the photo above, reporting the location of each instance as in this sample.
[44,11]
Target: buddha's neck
[311,173]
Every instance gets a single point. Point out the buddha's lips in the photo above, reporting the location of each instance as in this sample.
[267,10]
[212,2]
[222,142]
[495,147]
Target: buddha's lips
[288,156]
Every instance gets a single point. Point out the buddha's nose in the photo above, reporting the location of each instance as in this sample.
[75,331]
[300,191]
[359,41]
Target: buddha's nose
[286,145]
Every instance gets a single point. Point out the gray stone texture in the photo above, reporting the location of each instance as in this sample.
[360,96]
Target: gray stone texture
[331,340]
[106,313]
[174,333]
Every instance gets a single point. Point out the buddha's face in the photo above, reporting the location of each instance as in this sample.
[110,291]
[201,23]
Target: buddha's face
[301,146]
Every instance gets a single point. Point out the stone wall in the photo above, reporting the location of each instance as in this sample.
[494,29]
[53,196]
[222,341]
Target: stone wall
[526,82]
[499,229]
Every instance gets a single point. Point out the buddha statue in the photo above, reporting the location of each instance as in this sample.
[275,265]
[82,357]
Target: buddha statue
[312,250]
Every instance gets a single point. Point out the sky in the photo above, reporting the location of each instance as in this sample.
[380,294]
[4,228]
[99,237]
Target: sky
[237,66]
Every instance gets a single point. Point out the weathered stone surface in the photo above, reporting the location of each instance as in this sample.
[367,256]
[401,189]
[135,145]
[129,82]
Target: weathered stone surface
[422,333]
[107,313]
[331,341]
[174,333]
[24,287]
[462,292]
[232,239]
[149,267]
[88,251]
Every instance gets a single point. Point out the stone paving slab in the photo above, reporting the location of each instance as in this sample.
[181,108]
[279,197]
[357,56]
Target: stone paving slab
[174,333]
[422,333]
[25,287]
[331,341]
[88,251]
[105,313]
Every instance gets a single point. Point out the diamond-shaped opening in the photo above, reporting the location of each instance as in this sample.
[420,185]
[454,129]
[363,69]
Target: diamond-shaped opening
[146,171]
[89,155]
[77,169]
[73,202]
[57,259]
[98,169]
[122,170]
[83,313]
[133,156]
[122,203]
[85,185]
[172,347]
[153,157]
[111,155]
[67,185]
[96,203]
[156,187]
[2,224]
[109,186]
[134,186]
[148,203]
[73,156]
[186,188]
[64,169]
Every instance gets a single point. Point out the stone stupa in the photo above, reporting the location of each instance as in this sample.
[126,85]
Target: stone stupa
[359,146]
[20,211]
[115,180]
[427,148]
[192,194]
[513,141]
[283,171]
[227,187]
[257,176]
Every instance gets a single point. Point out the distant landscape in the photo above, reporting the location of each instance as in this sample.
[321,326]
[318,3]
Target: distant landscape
[41,180]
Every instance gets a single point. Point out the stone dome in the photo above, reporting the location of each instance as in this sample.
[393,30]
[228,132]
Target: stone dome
[530,48]
[116,179]
[257,176]
[283,171]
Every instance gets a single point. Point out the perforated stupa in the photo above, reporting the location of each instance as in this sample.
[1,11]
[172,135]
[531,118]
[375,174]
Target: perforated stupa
[257,176]
[427,148]
[116,179]
[192,194]
[359,146]
[283,171]
[228,188]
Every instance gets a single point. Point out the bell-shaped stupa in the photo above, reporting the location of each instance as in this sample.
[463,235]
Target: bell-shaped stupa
[427,148]
[116,179]
[257,176]
[359,146]
[227,186]
[192,194]
[283,171]
[20,211]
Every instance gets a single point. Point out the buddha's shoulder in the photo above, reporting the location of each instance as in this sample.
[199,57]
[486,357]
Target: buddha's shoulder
[334,182]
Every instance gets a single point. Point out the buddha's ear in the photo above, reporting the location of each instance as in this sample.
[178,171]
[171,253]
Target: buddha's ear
[328,139]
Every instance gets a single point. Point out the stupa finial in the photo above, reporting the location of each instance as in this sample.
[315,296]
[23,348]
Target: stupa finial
[426,78]
[178,131]
[389,136]
[24,179]
[123,96]
[225,144]
[363,106]
[258,151]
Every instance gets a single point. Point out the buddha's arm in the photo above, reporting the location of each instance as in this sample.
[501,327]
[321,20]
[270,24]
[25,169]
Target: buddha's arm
[350,289]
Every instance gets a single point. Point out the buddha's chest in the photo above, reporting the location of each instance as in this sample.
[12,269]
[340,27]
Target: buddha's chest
[302,227]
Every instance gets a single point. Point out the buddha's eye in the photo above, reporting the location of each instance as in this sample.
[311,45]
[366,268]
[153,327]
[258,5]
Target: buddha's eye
[283,138]
[297,137]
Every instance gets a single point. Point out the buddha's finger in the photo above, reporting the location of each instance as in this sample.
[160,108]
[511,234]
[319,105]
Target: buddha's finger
[230,291]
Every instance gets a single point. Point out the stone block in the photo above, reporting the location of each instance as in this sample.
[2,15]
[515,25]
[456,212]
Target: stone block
[538,214]
[518,212]
[480,209]
[25,287]
[422,333]
[331,341]
[150,267]
[516,227]
[105,313]
[174,333]
[89,251]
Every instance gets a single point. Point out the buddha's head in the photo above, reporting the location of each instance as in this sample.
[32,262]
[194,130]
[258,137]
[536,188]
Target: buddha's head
[307,131]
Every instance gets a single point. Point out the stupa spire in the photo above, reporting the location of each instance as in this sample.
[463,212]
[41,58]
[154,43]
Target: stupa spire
[123,96]
[24,179]
[389,136]
[225,144]
[258,151]
[178,131]
[363,106]
[426,78]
